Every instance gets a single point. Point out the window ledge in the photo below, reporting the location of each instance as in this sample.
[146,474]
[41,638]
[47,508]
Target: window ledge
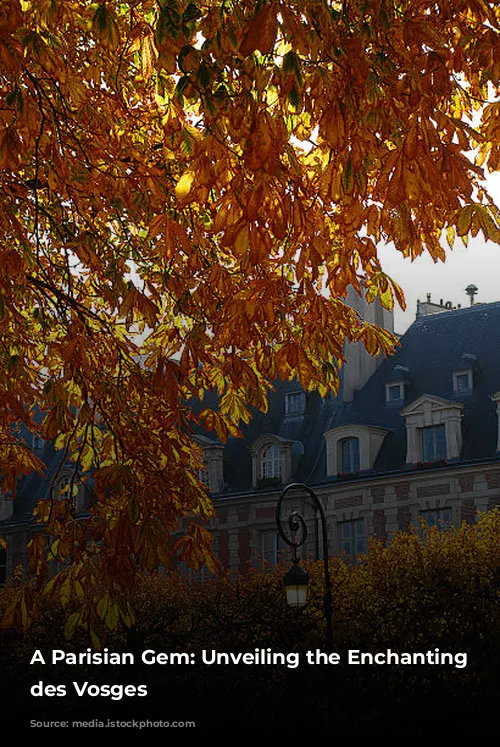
[431,465]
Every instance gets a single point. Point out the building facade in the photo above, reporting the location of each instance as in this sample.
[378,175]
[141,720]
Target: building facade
[411,437]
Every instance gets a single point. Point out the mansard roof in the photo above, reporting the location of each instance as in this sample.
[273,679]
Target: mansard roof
[431,348]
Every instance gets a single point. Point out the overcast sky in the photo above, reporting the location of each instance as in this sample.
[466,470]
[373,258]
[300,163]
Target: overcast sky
[478,264]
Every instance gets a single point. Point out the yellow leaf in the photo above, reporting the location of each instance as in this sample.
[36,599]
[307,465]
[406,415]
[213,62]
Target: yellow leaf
[184,185]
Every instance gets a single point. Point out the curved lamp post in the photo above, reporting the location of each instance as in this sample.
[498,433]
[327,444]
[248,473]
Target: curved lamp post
[296,579]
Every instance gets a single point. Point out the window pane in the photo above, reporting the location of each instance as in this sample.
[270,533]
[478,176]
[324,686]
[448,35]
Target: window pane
[271,545]
[434,443]
[294,403]
[445,515]
[346,530]
[360,546]
[359,527]
[350,455]
[394,393]
[271,461]
[440,517]
[353,537]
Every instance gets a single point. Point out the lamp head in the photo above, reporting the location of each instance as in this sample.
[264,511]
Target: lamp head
[295,582]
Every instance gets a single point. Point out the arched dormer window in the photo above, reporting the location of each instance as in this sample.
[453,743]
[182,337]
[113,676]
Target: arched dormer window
[352,448]
[272,460]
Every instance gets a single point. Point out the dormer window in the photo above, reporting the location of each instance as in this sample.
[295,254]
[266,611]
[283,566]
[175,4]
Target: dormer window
[272,460]
[462,381]
[394,392]
[352,448]
[433,429]
[463,375]
[295,403]
[395,385]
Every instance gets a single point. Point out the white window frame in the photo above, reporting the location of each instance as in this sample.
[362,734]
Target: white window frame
[434,457]
[258,451]
[67,481]
[348,443]
[295,403]
[276,549]
[270,461]
[456,378]
[392,385]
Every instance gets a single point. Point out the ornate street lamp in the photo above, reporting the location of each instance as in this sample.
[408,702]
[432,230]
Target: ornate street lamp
[296,579]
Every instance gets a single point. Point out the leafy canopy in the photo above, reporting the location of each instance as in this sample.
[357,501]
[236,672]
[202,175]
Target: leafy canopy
[213,175]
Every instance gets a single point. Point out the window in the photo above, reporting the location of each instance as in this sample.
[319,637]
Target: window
[434,443]
[394,393]
[462,381]
[352,537]
[271,461]
[438,517]
[271,545]
[61,492]
[295,403]
[3,565]
[349,454]
[63,487]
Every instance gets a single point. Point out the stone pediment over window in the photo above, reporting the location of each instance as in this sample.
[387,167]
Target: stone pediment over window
[272,460]
[433,429]
[352,448]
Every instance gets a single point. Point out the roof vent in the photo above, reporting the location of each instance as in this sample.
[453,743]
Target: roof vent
[471,291]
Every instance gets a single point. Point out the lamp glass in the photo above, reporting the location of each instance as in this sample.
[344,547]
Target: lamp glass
[296,596]
[295,583]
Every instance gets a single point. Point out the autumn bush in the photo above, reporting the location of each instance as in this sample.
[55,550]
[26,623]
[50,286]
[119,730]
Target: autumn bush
[439,590]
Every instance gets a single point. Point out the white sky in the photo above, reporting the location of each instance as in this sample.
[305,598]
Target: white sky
[478,264]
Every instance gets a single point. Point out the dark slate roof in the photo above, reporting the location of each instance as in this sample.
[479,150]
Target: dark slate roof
[306,429]
[432,349]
